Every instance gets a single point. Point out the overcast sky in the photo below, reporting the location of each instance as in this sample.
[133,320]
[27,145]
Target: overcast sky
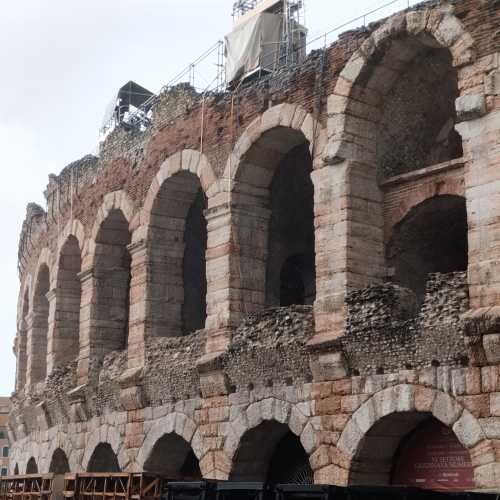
[60,63]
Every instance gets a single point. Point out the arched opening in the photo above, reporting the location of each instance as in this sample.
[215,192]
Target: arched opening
[174,458]
[112,272]
[16,470]
[31,466]
[67,316]
[432,238]
[103,459]
[414,450]
[271,452]
[177,248]
[416,127]
[59,463]
[275,221]
[37,354]
[22,344]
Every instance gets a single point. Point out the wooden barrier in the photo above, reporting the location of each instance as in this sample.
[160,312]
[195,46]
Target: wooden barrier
[111,486]
[29,487]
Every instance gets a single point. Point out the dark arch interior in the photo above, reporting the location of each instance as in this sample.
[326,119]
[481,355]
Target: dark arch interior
[416,127]
[31,466]
[59,463]
[112,268]
[431,457]
[16,470]
[103,459]
[432,238]
[174,458]
[393,451]
[68,310]
[178,244]
[290,264]
[194,307]
[270,452]
[38,350]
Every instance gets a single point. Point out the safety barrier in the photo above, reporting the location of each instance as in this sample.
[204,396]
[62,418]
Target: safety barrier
[144,486]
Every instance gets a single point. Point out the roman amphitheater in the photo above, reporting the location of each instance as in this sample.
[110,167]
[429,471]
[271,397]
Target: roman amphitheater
[294,280]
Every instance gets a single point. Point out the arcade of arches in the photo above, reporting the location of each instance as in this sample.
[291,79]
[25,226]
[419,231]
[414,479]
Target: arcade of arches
[298,281]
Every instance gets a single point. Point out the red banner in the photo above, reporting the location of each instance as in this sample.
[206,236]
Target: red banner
[433,458]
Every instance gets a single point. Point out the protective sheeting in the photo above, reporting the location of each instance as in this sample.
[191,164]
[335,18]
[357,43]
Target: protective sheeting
[252,44]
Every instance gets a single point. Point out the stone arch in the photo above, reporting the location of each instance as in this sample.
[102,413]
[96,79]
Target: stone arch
[61,443]
[373,69]
[291,116]
[271,410]
[73,228]
[173,424]
[269,176]
[114,201]
[109,439]
[416,402]
[44,259]
[176,234]
[416,197]
[187,160]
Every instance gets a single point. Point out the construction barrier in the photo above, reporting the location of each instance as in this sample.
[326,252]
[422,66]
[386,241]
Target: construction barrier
[137,486]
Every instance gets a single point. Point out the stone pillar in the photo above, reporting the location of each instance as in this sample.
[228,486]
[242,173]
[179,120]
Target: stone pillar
[20,346]
[54,296]
[87,323]
[349,252]
[141,322]
[37,347]
[236,267]
[63,332]
[481,141]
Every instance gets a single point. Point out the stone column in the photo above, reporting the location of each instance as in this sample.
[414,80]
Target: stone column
[141,322]
[54,296]
[20,347]
[480,133]
[87,323]
[37,347]
[236,268]
[349,252]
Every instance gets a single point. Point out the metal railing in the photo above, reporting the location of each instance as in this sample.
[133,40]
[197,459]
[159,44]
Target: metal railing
[207,72]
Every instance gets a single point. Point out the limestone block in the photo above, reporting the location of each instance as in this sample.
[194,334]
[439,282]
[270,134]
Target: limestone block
[350,438]
[458,382]
[470,107]
[332,474]
[492,83]
[308,438]
[297,421]
[132,398]
[328,366]
[491,345]
[490,379]
[446,409]
[495,404]
[491,427]
[487,476]
[468,430]
[366,416]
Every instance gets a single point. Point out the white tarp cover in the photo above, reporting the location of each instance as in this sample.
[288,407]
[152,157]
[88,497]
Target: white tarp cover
[250,43]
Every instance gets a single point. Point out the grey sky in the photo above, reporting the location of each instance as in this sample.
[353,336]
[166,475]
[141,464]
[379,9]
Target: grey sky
[62,60]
